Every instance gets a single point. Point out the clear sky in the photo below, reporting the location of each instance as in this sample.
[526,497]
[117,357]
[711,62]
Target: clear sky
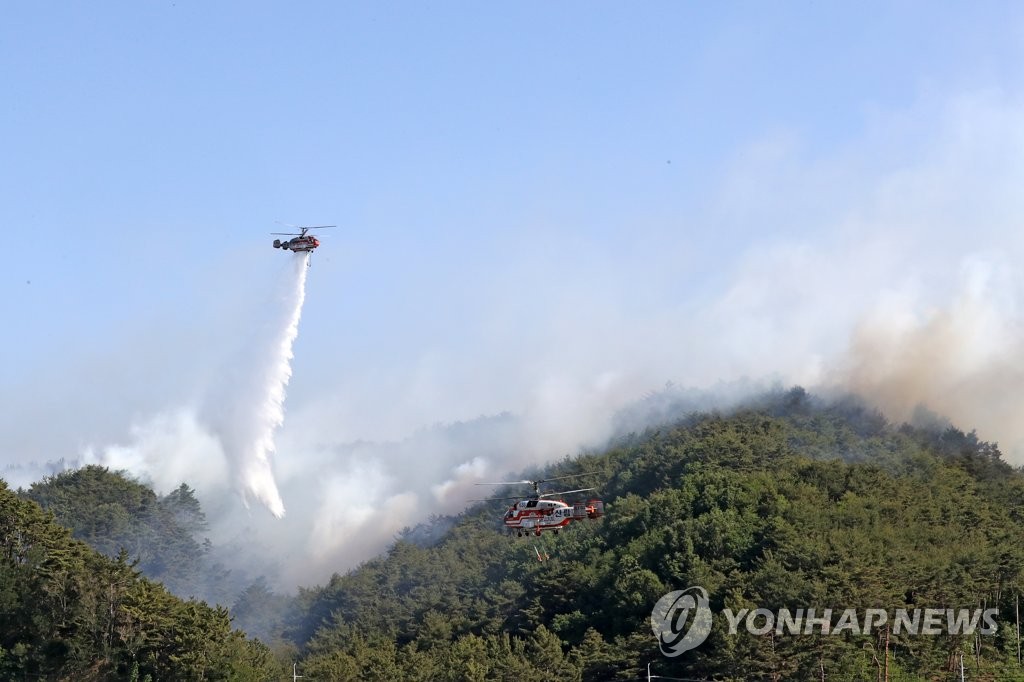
[538,204]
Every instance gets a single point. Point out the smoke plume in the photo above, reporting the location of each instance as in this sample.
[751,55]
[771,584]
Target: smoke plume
[960,360]
[887,266]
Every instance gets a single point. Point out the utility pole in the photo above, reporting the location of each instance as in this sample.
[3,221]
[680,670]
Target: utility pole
[977,639]
[886,653]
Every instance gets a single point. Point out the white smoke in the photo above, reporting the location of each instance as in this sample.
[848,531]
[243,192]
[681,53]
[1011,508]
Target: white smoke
[890,266]
[170,448]
[960,359]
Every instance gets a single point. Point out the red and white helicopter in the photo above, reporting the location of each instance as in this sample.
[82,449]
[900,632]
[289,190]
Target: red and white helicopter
[538,514]
[300,242]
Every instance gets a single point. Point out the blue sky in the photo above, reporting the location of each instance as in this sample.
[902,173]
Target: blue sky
[148,145]
[539,205]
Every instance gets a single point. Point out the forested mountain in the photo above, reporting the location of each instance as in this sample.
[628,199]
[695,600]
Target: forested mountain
[786,503]
[69,613]
[163,535]
[111,512]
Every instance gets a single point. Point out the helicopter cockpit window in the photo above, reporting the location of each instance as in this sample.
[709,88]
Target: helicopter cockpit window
[531,503]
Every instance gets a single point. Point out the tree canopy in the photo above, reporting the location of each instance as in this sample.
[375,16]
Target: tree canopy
[69,613]
[788,502]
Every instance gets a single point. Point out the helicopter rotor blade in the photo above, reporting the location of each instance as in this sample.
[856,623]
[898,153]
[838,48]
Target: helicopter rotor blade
[559,478]
[536,482]
[495,499]
[303,227]
[567,492]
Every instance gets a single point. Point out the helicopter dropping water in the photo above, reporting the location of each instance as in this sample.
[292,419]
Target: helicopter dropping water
[300,241]
[252,413]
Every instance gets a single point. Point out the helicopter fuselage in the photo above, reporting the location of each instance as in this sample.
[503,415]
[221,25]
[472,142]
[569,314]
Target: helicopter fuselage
[302,244]
[538,515]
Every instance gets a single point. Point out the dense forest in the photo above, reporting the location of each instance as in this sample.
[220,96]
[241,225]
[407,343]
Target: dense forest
[111,512]
[787,502]
[69,613]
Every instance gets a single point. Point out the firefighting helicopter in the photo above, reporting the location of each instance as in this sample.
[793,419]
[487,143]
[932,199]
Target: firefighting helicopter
[299,242]
[537,514]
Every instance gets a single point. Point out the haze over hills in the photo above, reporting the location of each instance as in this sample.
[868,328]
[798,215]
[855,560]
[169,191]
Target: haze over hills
[348,496]
[886,265]
[786,500]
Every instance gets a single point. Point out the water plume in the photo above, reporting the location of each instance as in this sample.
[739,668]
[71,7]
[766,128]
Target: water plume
[255,407]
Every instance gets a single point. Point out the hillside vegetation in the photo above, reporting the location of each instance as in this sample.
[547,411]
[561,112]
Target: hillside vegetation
[111,512]
[786,503]
[69,613]
[789,502]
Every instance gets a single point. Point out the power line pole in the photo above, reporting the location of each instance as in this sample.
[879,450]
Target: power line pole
[886,653]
